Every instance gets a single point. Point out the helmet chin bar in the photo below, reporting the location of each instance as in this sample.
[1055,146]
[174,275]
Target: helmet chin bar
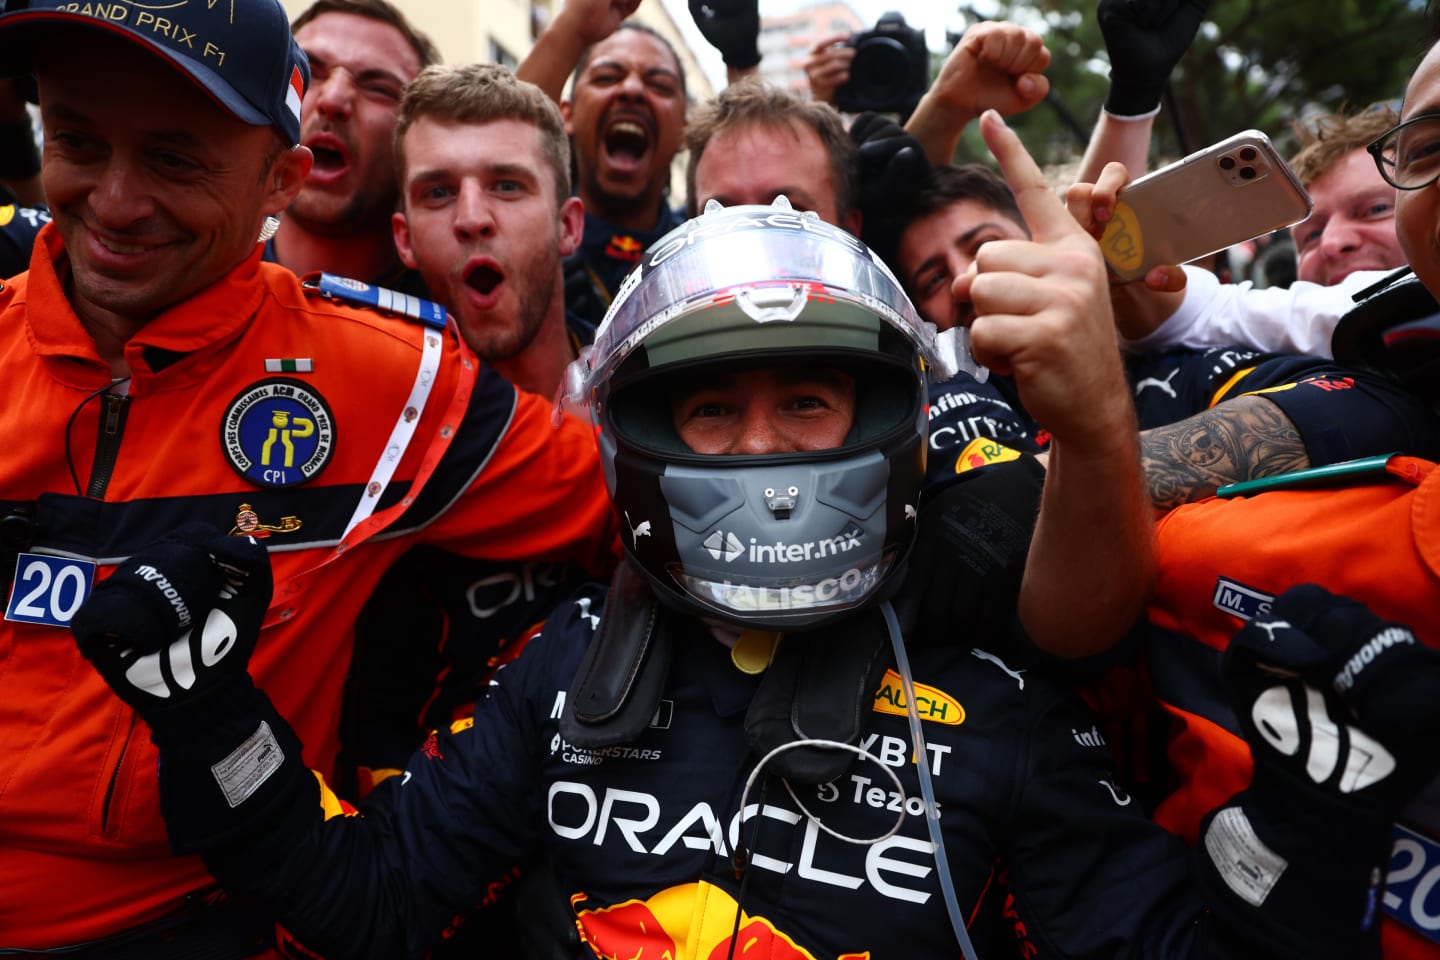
[778,545]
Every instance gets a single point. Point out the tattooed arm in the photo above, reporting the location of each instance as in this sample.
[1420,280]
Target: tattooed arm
[1238,440]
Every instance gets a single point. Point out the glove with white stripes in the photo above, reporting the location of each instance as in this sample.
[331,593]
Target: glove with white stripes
[1342,714]
[177,621]
[171,631]
[1334,699]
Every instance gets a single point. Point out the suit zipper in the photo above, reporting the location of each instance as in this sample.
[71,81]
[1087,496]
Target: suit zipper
[115,777]
[107,443]
[107,451]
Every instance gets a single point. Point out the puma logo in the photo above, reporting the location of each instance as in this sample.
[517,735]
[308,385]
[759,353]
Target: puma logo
[1121,798]
[643,530]
[1001,664]
[1164,385]
[1270,626]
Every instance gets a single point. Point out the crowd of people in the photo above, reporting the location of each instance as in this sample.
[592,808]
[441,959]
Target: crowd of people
[426,538]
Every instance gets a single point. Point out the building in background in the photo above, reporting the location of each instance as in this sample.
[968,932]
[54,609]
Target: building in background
[786,41]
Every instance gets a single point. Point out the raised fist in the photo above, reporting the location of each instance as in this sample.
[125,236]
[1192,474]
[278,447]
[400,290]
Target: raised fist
[177,619]
[1332,698]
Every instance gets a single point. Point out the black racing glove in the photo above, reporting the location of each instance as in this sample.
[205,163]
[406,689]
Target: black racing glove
[175,625]
[171,631]
[892,163]
[1145,40]
[1335,700]
[1341,713]
[732,27]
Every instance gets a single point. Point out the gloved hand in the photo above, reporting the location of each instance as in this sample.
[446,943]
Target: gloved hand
[732,27]
[172,630]
[891,163]
[1145,40]
[1341,712]
[1333,699]
[178,621]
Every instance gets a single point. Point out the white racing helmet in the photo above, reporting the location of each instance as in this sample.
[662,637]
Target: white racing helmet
[784,540]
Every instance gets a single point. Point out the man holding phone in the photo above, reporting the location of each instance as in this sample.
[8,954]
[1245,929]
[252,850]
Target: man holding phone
[1347,245]
[1373,538]
[1209,417]
[1232,191]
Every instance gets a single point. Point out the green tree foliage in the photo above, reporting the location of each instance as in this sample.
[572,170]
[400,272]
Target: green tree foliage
[1255,63]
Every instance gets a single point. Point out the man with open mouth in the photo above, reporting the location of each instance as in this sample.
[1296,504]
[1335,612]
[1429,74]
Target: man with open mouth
[363,53]
[625,115]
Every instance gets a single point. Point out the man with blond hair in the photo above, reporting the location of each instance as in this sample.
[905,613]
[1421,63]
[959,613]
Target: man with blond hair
[486,214]
[1352,226]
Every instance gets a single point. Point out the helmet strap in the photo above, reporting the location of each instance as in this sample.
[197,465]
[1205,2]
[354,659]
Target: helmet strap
[820,686]
[617,689]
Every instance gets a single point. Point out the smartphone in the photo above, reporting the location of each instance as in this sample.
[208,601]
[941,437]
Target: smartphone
[1225,194]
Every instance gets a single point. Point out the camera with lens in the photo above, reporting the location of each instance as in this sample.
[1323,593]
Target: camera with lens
[890,71]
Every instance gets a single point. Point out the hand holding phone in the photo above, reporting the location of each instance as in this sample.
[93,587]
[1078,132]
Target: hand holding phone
[1225,194]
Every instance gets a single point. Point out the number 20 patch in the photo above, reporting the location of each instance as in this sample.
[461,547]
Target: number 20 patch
[49,589]
[1412,889]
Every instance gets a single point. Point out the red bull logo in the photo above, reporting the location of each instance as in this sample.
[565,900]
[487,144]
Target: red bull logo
[689,922]
[626,931]
[623,247]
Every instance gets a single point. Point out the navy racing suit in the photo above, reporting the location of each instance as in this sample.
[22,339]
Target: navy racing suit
[1050,857]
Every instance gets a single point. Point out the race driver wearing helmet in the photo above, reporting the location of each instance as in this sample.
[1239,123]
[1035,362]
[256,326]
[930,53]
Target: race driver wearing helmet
[716,752]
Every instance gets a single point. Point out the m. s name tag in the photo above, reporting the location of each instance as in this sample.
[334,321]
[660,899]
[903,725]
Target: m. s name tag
[48,590]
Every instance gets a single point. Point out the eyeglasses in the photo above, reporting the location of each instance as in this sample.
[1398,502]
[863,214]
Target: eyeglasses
[1408,154]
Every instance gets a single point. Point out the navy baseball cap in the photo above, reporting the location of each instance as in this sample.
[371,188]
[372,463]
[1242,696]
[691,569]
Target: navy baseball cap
[240,52]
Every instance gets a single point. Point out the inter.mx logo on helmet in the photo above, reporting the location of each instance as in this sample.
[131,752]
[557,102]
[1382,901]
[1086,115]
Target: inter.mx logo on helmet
[727,547]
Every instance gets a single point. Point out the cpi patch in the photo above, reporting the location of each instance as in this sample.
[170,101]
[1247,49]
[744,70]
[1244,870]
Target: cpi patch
[278,433]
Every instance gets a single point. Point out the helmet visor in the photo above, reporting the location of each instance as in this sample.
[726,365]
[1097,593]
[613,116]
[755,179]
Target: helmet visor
[818,277]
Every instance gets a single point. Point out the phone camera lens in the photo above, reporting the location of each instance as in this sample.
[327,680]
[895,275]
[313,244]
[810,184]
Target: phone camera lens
[1247,173]
[1227,163]
[1248,154]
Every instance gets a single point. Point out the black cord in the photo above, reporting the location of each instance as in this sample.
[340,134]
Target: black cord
[70,460]
[741,861]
